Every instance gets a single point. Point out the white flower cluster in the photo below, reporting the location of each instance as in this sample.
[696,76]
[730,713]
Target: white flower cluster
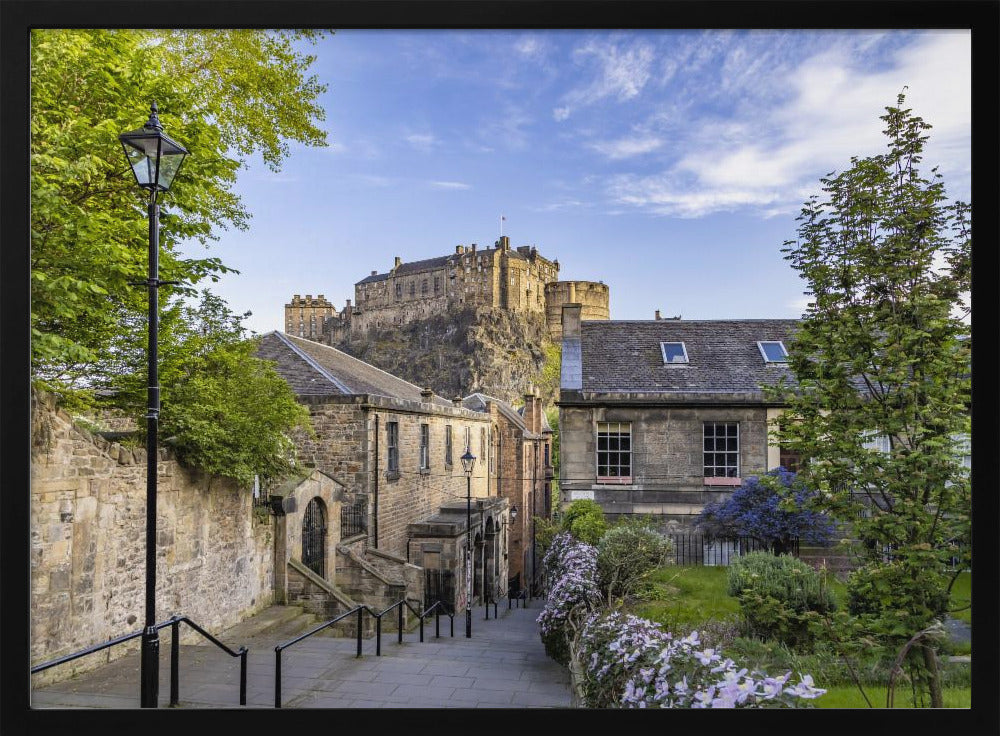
[572,570]
[632,663]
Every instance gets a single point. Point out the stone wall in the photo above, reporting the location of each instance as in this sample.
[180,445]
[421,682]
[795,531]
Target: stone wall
[344,447]
[88,528]
[306,317]
[667,459]
[592,296]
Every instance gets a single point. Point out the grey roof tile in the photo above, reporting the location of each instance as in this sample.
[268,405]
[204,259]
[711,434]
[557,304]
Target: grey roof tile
[625,356]
[313,368]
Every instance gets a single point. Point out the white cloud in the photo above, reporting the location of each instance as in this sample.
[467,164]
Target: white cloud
[423,142]
[821,107]
[627,147]
[622,70]
[450,185]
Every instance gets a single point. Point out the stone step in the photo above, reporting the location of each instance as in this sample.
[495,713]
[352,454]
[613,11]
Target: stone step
[273,622]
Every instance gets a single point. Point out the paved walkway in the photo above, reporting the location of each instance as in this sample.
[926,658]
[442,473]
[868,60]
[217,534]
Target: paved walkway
[503,665]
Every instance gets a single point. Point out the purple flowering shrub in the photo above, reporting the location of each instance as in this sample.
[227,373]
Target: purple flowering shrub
[571,570]
[630,662]
[774,508]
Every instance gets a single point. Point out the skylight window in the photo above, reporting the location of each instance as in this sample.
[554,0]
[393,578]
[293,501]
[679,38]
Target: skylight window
[674,352]
[773,351]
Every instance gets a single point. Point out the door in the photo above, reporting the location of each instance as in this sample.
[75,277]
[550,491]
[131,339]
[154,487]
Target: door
[314,537]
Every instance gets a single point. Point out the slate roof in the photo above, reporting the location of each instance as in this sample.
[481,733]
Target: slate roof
[477,402]
[620,356]
[311,368]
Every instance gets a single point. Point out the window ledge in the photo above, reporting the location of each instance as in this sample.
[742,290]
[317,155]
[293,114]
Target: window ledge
[392,475]
[615,481]
[723,481]
[425,471]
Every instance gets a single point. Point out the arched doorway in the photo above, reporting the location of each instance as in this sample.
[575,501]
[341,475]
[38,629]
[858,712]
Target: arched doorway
[314,537]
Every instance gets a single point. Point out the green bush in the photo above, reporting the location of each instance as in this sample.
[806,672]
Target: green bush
[626,554]
[779,596]
[584,519]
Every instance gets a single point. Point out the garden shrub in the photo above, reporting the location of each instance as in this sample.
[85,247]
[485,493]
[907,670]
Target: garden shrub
[779,595]
[774,508]
[570,566]
[584,519]
[630,662]
[626,554]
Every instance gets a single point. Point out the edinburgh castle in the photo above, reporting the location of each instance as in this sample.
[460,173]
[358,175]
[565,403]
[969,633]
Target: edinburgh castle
[517,280]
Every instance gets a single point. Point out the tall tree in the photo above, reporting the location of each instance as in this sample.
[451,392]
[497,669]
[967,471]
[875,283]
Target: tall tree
[224,410]
[225,94]
[883,354]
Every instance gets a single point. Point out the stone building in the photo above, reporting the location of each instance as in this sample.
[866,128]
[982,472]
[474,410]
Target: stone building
[662,416]
[395,450]
[523,473]
[515,279]
[307,317]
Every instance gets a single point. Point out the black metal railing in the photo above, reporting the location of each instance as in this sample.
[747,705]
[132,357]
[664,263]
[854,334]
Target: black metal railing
[353,519]
[174,623]
[437,609]
[702,549]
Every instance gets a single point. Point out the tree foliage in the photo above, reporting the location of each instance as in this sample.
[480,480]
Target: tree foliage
[775,508]
[882,351]
[223,410]
[584,520]
[627,553]
[224,94]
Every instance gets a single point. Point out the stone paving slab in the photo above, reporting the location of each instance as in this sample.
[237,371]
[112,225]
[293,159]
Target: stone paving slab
[503,665]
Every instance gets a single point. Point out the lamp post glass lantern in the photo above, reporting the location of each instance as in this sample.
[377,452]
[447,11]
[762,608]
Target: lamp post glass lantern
[468,463]
[154,160]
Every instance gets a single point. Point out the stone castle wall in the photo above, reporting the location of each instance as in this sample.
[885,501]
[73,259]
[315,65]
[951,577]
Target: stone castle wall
[306,317]
[593,296]
[88,527]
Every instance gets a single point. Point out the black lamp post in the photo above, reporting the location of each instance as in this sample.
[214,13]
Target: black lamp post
[468,463]
[154,159]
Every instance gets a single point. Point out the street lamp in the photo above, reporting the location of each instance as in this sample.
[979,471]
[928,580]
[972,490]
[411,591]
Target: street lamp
[154,159]
[468,463]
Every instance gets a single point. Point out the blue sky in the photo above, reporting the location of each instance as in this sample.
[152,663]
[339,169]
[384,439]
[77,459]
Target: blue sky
[668,164]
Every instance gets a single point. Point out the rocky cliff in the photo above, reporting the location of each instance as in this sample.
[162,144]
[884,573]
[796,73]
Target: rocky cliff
[490,350]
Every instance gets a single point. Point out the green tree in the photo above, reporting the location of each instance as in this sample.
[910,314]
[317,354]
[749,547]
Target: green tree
[882,351]
[584,519]
[223,410]
[224,94]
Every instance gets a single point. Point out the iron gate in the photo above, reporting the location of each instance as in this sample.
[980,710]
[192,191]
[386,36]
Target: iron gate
[314,537]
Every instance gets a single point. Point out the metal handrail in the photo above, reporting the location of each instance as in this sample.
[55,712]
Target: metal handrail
[173,622]
[360,611]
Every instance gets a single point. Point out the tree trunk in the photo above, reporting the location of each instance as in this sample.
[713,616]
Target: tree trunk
[933,676]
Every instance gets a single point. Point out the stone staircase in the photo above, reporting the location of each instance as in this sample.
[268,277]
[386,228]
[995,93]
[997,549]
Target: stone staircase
[274,623]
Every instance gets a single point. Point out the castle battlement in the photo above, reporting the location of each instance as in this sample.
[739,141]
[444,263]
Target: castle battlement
[516,279]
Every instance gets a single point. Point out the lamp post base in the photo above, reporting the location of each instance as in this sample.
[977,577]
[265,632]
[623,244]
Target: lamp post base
[149,696]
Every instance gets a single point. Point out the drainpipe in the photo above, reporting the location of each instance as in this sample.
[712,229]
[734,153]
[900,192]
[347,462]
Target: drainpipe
[375,494]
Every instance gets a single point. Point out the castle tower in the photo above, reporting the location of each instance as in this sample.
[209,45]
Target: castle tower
[593,296]
[305,317]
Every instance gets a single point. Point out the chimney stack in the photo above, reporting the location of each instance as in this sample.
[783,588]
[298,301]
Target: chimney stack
[398,262]
[658,314]
[426,394]
[457,401]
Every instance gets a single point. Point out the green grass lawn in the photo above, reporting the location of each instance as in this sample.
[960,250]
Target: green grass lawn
[961,596]
[848,696]
[688,596]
